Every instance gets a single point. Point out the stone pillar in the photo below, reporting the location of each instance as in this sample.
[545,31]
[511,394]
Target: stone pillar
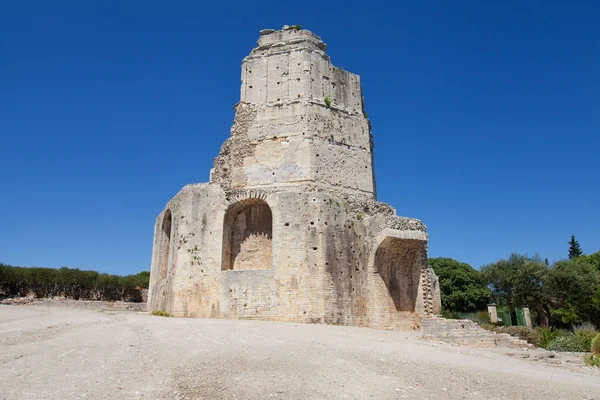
[436,296]
[527,317]
[493,313]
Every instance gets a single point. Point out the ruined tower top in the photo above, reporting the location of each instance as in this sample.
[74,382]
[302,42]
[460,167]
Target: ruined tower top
[291,65]
[289,35]
[299,122]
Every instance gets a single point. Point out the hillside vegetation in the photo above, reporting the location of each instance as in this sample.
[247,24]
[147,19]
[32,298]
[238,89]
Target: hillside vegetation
[71,283]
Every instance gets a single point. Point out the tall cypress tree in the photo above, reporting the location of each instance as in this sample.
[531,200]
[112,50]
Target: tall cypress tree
[574,248]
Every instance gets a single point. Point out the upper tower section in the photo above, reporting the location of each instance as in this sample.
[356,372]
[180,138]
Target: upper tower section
[299,122]
[291,65]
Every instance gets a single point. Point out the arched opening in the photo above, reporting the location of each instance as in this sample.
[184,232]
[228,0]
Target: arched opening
[165,245]
[398,261]
[247,236]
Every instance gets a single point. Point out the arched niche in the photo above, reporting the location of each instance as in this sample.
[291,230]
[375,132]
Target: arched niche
[398,261]
[247,236]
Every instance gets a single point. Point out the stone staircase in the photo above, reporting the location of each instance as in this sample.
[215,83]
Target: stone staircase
[467,332]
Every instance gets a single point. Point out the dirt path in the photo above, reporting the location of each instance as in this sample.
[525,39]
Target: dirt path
[54,353]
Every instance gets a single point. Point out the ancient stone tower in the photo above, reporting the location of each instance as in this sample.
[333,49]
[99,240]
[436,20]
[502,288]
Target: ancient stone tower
[288,228]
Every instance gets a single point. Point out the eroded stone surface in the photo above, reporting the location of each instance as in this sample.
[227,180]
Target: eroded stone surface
[289,228]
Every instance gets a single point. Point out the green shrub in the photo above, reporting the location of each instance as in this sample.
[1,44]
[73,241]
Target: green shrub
[593,360]
[451,314]
[160,313]
[565,343]
[548,334]
[584,338]
[595,347]
[327,101]
[522,332]
[585,333]
[479,317]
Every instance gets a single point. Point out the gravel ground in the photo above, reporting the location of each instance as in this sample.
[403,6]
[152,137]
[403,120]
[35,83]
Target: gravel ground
[57,353]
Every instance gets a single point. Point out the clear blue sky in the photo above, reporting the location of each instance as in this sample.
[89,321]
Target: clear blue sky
[486,118]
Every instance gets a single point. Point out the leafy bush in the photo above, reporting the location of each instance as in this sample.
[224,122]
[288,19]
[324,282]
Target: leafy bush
[548,334]
[595,347]
[160,313]
[327,101]
[451,314]
[565,343]
[585,333]
[584,338]
[522,332]
[489,327]
[593,360]
[479,317]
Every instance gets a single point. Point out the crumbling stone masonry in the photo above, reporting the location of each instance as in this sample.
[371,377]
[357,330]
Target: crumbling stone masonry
[288,228]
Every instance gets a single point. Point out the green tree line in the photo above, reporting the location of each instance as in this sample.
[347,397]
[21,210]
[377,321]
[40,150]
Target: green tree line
[71,283]
[563,294]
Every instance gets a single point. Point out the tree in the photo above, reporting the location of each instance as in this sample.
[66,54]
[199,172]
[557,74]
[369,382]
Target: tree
[593,259]
[71,283]
[593,314]
[519,282]
[141,279]
[571,286]
[574,248]
[463,288]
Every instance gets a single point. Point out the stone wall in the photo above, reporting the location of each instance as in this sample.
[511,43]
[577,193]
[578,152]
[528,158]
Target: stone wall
[326,261]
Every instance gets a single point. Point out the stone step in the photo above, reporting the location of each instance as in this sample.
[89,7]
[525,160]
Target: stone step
[466,332]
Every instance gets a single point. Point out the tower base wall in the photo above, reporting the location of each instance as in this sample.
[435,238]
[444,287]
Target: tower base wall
[334,258]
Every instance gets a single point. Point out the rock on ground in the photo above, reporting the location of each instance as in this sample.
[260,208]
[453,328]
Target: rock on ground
[58,353]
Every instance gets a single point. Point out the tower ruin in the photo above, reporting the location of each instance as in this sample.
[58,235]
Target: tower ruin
[289,228]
